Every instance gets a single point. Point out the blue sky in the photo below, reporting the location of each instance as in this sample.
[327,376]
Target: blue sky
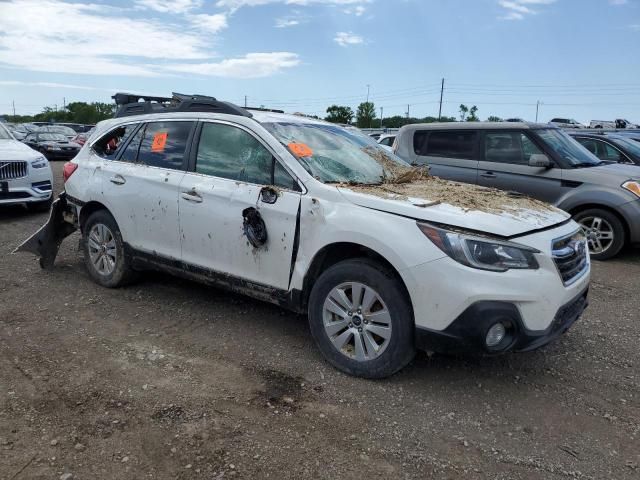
[578,57]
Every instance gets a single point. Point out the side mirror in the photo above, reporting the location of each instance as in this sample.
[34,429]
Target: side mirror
[539,160]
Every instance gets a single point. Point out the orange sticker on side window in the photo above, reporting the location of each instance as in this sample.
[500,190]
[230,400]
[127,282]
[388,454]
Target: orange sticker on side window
[159,141]
[300,149]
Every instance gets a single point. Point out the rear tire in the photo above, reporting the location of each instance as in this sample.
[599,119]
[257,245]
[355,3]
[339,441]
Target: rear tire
[104,252]
[605,232]
[357,333]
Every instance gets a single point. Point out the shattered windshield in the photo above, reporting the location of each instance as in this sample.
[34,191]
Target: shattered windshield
[333,154]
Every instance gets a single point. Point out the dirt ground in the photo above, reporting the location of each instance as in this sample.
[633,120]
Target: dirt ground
[171,379]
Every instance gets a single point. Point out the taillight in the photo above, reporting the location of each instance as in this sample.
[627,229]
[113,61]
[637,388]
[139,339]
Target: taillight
[68,170]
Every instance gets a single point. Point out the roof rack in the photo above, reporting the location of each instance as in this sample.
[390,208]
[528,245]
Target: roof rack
[262,109]
[131,104]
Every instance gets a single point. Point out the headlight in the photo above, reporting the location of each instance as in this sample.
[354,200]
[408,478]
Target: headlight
[480,252]
[633,187]
[51,147]
[39,162]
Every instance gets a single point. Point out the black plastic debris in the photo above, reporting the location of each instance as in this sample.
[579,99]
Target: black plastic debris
[254,227]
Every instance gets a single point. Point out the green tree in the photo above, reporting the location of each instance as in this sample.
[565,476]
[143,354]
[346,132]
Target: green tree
[339,114]
[463,109]
[365,115]
[472,115]
[493,118]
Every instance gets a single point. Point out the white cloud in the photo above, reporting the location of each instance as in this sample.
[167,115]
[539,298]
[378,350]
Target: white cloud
[252,65]
[358,10]
[209,23]
[236,4]
[169,6]
[618,2]
[286,22]
[519,9]
[64,37]
[348,38]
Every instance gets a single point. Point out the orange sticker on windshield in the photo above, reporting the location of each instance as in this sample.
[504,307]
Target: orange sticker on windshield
[159,141]
[300,149]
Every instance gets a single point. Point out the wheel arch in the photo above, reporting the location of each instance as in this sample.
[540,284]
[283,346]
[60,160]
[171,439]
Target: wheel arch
[598,206]
[334,253]
[89,208]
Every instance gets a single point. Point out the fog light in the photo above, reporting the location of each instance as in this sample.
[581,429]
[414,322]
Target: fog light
[495,335]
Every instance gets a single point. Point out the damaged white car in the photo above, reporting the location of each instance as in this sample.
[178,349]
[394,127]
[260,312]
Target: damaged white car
[308,215]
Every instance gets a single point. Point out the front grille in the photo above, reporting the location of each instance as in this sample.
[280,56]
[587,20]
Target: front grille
[12,169]
[570,256]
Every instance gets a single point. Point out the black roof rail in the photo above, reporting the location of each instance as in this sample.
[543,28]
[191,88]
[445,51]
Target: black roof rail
[262,109]
[131,104]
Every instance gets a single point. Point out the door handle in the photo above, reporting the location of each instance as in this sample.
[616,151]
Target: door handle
[191,196]
[118,180]
[488,175]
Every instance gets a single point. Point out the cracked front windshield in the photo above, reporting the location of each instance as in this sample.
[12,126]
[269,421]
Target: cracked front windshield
[334,154]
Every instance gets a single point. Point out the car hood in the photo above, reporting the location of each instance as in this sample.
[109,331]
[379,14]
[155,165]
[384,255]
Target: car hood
[610,175]
[15,150]
[497,213]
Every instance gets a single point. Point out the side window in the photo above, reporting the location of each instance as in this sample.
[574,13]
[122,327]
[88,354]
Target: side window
[164,143]
[229,152]
[611,153]
[528,148]
[130,153]
[509,147]
[107,145]
[388,141]
[589,145]
[450,144]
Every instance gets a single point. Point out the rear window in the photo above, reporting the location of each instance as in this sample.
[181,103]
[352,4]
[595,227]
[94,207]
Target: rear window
[461,144]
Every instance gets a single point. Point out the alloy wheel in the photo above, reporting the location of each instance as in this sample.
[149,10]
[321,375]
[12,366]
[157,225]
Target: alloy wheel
[102,249]
[357,321]
[599,233]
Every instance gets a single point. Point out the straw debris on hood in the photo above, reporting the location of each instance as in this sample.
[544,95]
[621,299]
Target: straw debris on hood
[404,183]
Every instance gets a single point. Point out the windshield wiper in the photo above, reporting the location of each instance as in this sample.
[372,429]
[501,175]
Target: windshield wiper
[587,164]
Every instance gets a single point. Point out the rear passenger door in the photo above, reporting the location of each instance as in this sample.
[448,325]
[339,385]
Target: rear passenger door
[229,168]
[450,154]
[505,165]
[141,180]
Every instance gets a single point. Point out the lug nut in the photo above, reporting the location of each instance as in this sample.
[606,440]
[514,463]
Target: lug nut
[350,314]
[366,322]
[351,325]
[360,329]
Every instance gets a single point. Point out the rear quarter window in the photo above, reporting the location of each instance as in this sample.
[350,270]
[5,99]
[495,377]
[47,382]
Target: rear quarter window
[451,144]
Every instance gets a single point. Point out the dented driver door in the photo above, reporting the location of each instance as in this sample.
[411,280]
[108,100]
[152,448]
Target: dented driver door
[238,208]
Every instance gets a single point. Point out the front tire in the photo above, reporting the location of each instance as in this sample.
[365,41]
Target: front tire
[604,230]
[104,252]
[361,319]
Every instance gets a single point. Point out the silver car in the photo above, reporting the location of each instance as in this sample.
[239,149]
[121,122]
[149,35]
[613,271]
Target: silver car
[540,161]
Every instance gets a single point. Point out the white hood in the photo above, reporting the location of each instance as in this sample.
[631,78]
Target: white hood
[15,150]
[506,223]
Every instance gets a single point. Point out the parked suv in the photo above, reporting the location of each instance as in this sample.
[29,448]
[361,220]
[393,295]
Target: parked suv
[540,161]
[316,218]
[25,175]
[566,123]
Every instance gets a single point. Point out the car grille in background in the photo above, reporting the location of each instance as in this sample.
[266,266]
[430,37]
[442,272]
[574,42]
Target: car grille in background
[570,256]
[12,169]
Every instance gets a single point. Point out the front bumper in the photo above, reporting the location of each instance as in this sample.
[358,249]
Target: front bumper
[631,214]
[36,186]
[467,333]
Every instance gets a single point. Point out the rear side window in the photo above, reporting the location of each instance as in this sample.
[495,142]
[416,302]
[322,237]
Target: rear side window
[164,144]
[229,152]
[446,144]
[108,144]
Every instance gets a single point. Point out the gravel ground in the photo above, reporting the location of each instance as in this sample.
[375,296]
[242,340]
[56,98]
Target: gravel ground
[171,379]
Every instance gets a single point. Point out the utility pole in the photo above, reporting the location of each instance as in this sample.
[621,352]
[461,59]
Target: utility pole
[64,103]
[441,92]
[408,111]
[538,103]
[381,115]
[245,101]
[13,103]
[368,86]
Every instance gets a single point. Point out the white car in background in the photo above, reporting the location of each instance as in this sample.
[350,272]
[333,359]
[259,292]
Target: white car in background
[25,175]
[316,218]
[566,123]
[386,141]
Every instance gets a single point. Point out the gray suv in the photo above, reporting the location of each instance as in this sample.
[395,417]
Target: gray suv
[537,160]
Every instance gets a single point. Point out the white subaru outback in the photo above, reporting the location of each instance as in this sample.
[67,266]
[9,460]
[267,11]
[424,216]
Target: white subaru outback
[25,175]
[316,218]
